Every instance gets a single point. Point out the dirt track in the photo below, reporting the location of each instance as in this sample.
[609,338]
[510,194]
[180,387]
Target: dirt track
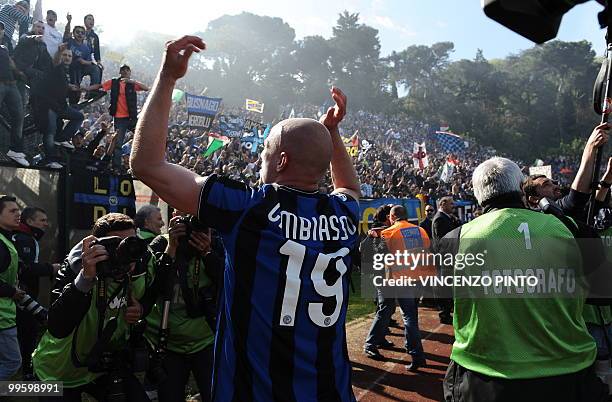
[381,381]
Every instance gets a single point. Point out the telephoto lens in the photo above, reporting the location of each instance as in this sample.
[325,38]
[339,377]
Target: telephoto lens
[29,304]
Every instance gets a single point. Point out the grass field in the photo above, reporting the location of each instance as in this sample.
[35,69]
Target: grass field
[358,305]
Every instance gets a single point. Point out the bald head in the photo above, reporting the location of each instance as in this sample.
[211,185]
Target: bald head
[297,152]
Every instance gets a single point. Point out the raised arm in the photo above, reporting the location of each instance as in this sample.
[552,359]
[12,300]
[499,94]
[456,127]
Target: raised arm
[37,14]
[582,181]
[67,30]
[343,173]
[176,185]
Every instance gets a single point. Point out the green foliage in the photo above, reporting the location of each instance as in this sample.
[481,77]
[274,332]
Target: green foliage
[526,105]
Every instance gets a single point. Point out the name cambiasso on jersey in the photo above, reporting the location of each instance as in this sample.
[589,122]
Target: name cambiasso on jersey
[281,333]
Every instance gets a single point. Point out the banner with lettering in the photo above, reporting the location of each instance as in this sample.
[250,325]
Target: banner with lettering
[250,124]
[97,194]
[231,126]
[414,208]
[352,145]
[254,106]
[201,110]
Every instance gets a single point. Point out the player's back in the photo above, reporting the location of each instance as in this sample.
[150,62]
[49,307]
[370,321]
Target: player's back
[281,333]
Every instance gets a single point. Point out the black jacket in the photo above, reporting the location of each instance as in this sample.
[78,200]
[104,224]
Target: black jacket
[53,89]
[93,41]
[69,305]
[30,269]
[440,226]
[426,225]
[32,58]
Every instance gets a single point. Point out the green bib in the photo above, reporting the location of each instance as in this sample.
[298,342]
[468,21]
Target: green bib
[523,336]
[186,334]
[52,359]
[591,315]
[7,305]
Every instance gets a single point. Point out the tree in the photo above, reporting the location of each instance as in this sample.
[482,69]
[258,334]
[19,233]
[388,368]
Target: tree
[355,62]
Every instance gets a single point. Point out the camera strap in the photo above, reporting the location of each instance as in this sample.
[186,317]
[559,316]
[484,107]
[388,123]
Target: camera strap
[190,296]
[104,332]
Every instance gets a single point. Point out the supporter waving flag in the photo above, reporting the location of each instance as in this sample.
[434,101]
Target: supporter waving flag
[450,142]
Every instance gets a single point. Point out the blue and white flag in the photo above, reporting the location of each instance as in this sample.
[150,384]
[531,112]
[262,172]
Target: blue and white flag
[254,139]
[450,142]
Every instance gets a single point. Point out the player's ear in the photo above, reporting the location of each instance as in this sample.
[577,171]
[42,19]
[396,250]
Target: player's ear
[283,162]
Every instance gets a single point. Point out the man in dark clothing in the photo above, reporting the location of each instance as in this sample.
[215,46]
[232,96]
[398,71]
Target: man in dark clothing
[4,41]
[9,94]
[31,57]
[82,60]
[92,39]
[426,223]
[34,222]
[573,204]
[443,222]
[10,358]
[123,106]
[50,107]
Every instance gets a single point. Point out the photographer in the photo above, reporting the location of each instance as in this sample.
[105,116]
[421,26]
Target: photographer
[520,343]
[191,286]
[149,222]
[10,359]
[34,222]
[573,204]
[100,291]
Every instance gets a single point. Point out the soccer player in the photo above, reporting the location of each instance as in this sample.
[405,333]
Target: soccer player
[281,333]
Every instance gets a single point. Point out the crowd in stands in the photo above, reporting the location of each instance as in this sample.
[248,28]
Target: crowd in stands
[42,73]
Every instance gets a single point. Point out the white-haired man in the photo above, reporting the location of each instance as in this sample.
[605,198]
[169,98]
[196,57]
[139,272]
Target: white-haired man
[516,341]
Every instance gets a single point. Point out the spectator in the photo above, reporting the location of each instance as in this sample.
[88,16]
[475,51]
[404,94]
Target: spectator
[51,108]
[31,57]
[4,41]
[11,14]
[10,358]
[52,37]
[82,61]
[34,223]
[9,94]
[427,222]
[149,222]
[443,222]
[123,105]
[92,39]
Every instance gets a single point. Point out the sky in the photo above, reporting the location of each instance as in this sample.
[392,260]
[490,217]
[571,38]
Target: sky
[401,23]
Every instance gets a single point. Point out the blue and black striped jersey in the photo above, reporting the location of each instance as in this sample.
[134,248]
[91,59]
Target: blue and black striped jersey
[281,334]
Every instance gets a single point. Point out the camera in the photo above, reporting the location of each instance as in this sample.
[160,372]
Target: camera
[192,224]
[122,253]
[29,304]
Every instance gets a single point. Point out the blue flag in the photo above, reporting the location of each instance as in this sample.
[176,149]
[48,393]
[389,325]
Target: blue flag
[450,142]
